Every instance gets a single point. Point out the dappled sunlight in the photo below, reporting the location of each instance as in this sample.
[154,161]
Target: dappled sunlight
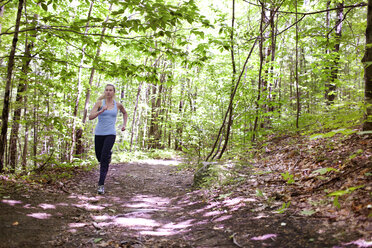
[11,202]
[88,206]
[46,206]
[40,216]
[360,243]
[159,162]
[236,203]
[145,201]
[213,213]
[133,222]
[261,216]
[76,225]
[86,198]
[62,204]
[223,218]
[169,229]
[28,206]
[237,200]
[101,217]
[264,237]
[181,225]
[148,215]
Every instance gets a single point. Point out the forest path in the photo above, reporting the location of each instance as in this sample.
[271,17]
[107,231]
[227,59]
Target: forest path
[150,204]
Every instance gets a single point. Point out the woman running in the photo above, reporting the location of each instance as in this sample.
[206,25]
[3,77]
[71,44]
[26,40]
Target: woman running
[106,108]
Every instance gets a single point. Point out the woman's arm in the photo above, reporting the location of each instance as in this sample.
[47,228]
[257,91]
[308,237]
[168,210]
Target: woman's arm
[125,116]
[94,113]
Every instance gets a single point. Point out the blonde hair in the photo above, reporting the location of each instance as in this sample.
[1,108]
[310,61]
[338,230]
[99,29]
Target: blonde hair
[103,95]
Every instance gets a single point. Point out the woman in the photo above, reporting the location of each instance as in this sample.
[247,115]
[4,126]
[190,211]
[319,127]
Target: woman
[106,108]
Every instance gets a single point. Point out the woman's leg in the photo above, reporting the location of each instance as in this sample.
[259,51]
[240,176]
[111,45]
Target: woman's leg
[98,145]
[108,143]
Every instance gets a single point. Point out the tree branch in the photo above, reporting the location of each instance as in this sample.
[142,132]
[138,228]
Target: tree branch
[362,4]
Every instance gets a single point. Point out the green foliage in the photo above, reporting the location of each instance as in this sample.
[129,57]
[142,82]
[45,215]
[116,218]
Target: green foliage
[307,212]
[339,193]
[163,154]
[185,48]
[283,208]
[288,177]
[332,133]
[323,171]
[259,193]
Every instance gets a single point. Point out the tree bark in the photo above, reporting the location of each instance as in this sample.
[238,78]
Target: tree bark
[334,68]
[230,110]
[367,60]
[5,113]
[79,132]
[22,87]
[134,115]
[297,78]
[260,81]
[179,125]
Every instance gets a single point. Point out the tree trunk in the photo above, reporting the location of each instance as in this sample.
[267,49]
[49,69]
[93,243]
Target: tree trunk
[297,78]
[22,87]
[229,123]
[5,113]
[134,115]
[154,131]
[25,143]
[179,125]
[367,60]
[273,83]
[35,125]
[2,9]
[79,132]
[260,83]
[334,68]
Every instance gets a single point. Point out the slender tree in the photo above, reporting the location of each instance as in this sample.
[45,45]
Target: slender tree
[298,105]
[367,59]
[77,135]
[334,67]
[22,87]
[79,132]
[5,113]
[233,64]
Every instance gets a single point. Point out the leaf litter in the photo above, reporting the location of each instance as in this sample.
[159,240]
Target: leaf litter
[283,196]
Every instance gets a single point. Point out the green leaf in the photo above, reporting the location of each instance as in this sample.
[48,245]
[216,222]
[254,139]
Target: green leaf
[284,207]
[323,171]
[288,177]
[97,240]
[44,6]
[316,136]
[364,132]
[259,193]
[344,192]
[336,203]
[307,212]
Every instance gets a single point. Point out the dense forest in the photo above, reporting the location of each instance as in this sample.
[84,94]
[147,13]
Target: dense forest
[209,78]
[249,123]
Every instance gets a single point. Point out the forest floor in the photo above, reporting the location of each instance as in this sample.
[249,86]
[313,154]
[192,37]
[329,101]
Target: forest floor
[151,203]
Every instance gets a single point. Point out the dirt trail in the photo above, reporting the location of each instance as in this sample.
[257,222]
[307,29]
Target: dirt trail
[150,204]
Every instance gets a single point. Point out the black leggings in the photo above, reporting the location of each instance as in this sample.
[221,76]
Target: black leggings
[103,145]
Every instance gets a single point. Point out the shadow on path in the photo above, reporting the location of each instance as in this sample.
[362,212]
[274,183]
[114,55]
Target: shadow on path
[150,204]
